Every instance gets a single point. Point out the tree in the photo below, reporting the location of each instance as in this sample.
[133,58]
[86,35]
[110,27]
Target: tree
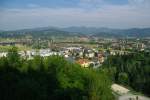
[13,57]
[132,70]
[51,78]
[123,78]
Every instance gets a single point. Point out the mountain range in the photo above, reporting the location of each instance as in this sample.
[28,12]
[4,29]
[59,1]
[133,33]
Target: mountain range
[87,31]
[133,32]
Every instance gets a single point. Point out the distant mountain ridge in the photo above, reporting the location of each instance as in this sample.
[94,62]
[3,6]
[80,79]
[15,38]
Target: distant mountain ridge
[92,31]
[133,32]
[85,30]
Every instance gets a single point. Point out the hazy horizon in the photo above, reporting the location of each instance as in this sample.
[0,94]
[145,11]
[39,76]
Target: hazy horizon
[122,14]
[59,27]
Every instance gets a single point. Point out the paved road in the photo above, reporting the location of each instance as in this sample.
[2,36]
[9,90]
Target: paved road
[132,97]
[125,94]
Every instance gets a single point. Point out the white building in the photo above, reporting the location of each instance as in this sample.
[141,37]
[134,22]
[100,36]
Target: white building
[3,54]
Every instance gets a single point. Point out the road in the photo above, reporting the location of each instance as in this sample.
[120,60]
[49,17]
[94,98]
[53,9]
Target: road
[125,94]
[130,96]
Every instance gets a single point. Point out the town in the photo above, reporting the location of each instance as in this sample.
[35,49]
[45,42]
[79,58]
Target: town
[82,51]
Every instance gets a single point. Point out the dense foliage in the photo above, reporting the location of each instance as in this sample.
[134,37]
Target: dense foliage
[131,70]
[51,78]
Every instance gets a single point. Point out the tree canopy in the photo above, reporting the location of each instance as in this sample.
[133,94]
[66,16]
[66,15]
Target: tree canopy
[132,70]
[51,78]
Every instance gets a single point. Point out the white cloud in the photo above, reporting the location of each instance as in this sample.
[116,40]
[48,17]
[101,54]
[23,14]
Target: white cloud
[91,3]
[33,5]
[140,3]
[115,16]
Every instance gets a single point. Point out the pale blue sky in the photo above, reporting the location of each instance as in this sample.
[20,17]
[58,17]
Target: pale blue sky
[17,14]
[53,3]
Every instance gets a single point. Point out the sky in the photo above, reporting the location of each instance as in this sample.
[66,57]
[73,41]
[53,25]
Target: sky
[19,14]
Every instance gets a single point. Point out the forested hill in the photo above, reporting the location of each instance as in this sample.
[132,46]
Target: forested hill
[80,31]
[36,32]
[132,70]
[106,32]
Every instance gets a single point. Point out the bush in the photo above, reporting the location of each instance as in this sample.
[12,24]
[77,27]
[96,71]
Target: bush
[51,78]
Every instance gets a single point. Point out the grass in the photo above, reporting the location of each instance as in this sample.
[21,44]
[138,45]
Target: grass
[20,48]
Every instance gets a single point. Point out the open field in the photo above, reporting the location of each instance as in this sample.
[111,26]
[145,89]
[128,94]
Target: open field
[20,48]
